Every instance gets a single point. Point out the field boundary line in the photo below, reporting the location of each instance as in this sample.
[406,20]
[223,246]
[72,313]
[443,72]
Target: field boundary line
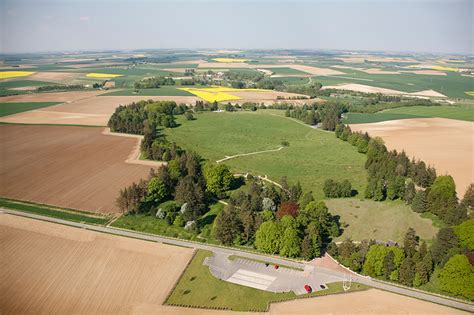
[134,156]
[251,153]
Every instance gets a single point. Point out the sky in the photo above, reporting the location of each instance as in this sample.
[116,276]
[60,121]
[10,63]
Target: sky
[371,25]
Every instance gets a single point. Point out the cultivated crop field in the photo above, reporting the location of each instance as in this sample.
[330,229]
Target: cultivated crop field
[70,167]
[446,144]
[82,272]
[311,157]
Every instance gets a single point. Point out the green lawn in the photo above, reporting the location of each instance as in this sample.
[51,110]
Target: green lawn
[312,156]
[198,288]
[388,220]
[15,108]
[54,212]
[162,91]
[464,112]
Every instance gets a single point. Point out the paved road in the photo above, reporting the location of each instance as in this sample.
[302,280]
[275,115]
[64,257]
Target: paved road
[224,251]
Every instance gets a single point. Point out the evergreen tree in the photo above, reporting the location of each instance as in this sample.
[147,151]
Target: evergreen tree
[407,272]
[420,202]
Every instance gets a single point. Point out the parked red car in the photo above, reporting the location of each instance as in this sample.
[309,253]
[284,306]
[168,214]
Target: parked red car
[308,288]
[276,267]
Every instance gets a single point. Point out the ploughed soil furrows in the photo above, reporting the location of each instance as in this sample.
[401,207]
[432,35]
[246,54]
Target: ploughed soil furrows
[71,167]
[51,268]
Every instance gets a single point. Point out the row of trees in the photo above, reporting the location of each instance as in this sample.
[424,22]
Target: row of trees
[328,115]
[392,175]
[153,82]
[60,87]
[446,263]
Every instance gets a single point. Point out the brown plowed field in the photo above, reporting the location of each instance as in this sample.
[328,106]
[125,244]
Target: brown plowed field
[446,144]
[72,167]
[54,269]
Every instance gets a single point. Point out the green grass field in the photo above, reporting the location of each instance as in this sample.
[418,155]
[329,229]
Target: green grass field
[465,112]
[198,288]
[452,85]
[15,108]
[162,91]
[290,80]
[312,156]
[22,83]
[388,220]
[54,212]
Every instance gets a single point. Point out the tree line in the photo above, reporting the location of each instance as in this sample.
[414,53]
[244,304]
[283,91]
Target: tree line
[328,114]
[447,264]
[392,175]
[153,82]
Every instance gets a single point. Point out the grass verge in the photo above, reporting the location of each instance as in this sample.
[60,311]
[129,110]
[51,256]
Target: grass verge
[198,288]
[54,212]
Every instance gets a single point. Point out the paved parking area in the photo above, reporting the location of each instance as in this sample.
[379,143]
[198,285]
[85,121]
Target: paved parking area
[260,276]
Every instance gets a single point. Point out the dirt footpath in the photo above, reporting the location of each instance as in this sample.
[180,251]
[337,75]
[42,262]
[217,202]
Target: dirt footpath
[446,144]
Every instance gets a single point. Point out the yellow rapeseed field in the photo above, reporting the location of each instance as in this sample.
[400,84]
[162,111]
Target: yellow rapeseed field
[14,74]
[442,68]
[102,75]
[217,93]
[230,59]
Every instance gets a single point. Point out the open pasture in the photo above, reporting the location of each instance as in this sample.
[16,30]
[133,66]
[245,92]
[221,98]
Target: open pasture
[312,156]
[51,268]
[446,144]
[47,159]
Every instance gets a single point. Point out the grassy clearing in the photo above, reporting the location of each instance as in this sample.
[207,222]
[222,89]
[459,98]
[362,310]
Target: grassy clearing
[234,257]
[465,112]
[162,91]
[54,212]
[312,156]
[15,108]
[389,220]
[198,288]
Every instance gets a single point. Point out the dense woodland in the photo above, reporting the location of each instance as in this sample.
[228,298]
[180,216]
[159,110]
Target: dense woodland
[153,82]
